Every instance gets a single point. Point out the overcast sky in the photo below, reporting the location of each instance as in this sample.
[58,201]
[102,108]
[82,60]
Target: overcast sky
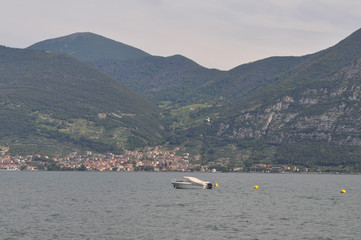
[218,34]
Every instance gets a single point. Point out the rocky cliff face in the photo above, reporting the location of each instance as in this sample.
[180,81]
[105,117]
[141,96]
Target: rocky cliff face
[330,113]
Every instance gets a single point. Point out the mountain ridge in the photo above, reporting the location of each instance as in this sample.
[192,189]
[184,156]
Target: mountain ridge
[89,46]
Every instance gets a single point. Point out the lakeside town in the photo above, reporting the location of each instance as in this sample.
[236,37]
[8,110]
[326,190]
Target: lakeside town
[151,159]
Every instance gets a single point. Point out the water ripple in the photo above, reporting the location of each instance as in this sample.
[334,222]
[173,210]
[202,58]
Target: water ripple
[71,205]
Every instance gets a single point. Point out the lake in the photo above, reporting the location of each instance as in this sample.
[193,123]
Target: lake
[144,205]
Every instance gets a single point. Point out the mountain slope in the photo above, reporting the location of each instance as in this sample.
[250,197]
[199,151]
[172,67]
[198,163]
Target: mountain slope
[305,112]
[161,78]
[55,96]
[287,110]
[239,81]
[157,78]
[89,47]
[176,78]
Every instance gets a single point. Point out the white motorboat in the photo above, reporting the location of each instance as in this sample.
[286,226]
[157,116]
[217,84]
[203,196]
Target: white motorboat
[191,182]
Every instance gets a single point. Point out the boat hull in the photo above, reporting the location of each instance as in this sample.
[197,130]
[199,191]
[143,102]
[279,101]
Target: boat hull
[185,185]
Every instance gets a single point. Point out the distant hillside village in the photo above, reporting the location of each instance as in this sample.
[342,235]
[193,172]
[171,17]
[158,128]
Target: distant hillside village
[150,160]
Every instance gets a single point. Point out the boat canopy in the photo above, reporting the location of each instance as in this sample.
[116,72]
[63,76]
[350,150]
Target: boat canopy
[197,181]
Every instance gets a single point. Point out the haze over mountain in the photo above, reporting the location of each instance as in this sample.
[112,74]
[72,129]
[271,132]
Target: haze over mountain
[297,110]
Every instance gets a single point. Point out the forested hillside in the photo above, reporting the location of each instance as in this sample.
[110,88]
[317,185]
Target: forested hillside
[56,97]
[280,110]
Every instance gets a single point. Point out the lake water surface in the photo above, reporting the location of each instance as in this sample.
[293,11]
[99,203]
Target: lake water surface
[143,205]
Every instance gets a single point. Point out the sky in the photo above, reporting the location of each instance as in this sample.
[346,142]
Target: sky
[219,34]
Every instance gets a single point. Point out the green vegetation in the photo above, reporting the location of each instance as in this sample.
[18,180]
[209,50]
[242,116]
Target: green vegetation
[300,111]
[174,79]
[52,96]
[188,115]
[311,154]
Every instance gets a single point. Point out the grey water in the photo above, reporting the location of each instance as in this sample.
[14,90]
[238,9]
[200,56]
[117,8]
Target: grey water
[144,205]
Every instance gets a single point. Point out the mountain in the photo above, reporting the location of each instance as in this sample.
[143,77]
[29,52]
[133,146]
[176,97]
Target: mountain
[308,115]
[89,47]
[56,100]
[279,110]
[322,82]
[160,79]
[174,79]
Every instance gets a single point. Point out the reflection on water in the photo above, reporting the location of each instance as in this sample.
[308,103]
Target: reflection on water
[94,205]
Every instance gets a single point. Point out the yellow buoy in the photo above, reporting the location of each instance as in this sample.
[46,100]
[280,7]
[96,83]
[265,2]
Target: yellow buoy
[343,191]
[255,187]
[216,185]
